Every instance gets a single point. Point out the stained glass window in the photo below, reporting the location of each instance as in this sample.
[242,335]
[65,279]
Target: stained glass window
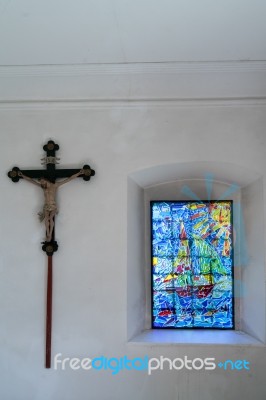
[192,264]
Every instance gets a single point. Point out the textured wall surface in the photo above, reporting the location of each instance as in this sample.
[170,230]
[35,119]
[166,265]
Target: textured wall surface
[90,268]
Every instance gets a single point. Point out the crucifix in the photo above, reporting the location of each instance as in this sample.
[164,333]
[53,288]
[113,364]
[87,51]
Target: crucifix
[46,179]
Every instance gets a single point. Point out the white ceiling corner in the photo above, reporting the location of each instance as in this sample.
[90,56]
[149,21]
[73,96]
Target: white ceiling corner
[136,50]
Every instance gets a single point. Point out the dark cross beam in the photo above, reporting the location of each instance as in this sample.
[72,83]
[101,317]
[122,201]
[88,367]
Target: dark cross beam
[50,174]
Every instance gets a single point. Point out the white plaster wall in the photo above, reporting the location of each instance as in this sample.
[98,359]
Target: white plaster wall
[90,268]
[106,31]
[253,294]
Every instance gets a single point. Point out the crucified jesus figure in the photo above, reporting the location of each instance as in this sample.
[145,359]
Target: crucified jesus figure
[50,208]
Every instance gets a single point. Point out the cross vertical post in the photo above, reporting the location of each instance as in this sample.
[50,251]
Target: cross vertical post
[49,298]
[46,179]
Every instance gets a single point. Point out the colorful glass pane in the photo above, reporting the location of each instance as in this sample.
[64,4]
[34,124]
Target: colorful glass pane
[192,264]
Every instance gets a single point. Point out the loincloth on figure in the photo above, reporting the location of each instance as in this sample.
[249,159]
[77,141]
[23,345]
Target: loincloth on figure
[47,208]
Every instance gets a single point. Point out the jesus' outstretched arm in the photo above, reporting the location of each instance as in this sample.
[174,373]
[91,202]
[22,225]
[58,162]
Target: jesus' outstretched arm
[27,178]
[81,172]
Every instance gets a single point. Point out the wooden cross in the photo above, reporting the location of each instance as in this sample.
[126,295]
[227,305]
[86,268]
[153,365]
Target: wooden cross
[46,179]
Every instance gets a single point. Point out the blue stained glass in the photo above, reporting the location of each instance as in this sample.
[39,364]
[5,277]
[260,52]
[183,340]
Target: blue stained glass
[192,262]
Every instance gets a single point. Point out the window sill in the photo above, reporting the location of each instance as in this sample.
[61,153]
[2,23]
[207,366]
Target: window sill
[199,337]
